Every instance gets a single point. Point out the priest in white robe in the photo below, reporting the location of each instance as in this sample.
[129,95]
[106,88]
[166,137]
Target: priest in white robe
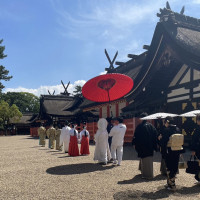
[117,133]
[65,137]
[102,151]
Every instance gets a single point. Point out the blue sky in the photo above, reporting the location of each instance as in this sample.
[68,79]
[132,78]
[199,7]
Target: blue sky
[51,40]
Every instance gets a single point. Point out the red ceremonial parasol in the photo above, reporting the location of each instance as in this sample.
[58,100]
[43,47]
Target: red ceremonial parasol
[107,87]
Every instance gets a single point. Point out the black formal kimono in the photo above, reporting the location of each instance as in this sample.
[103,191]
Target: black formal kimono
[145,141]
[171,157]
[195,146]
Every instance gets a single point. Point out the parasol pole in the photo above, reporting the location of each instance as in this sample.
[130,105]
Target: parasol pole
[109,103]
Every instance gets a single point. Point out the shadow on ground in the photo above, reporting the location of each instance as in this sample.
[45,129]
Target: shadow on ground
[77,169]
[43,149]
[129,153]
[30,137]
[138,179]
[59,153]
[161,193]
[52,151]
[67,156]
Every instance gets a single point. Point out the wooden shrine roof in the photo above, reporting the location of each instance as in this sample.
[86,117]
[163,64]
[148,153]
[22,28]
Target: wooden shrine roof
[25,119]
[55,104]
[181,35]
[73,105]
[184,30]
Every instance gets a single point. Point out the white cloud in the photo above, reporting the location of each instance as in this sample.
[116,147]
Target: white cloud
[101,73]
[110,20]
[44,89]
[196,1]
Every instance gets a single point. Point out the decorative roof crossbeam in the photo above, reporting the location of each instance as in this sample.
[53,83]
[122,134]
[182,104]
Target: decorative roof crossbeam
[182,10]
[168,6]
[110,69]
[166,14]
[52,93]
[65,89]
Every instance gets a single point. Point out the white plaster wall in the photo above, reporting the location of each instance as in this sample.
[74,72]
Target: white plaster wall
[121,105]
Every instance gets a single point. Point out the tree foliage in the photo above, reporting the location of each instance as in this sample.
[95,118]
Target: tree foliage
[78,90]
[26,102]
[3,72]
[8,113]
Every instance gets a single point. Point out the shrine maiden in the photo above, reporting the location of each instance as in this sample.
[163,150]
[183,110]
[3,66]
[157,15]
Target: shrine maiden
[73,144]
[84,138]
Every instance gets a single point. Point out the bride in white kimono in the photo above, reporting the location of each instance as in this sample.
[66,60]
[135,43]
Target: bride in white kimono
[102,151]
[65,137]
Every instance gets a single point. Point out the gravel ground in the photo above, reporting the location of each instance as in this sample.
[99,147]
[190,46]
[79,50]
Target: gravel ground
[28,171]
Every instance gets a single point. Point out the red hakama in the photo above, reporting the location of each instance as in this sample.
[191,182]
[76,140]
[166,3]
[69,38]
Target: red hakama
[73,146]
[85,146]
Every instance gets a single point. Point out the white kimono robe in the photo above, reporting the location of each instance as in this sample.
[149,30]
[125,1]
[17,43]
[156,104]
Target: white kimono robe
[102,151]
[117,133]
[65,138]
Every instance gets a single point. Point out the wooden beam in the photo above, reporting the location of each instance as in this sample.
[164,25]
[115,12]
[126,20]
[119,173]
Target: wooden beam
[132,56]
[158,15]
[146,47]
[119,63]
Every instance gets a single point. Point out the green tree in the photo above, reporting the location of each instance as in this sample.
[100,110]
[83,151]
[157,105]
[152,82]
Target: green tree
[26,102]
[4,111]
[14,113]
[3,72]
[8,113]
[78,90]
